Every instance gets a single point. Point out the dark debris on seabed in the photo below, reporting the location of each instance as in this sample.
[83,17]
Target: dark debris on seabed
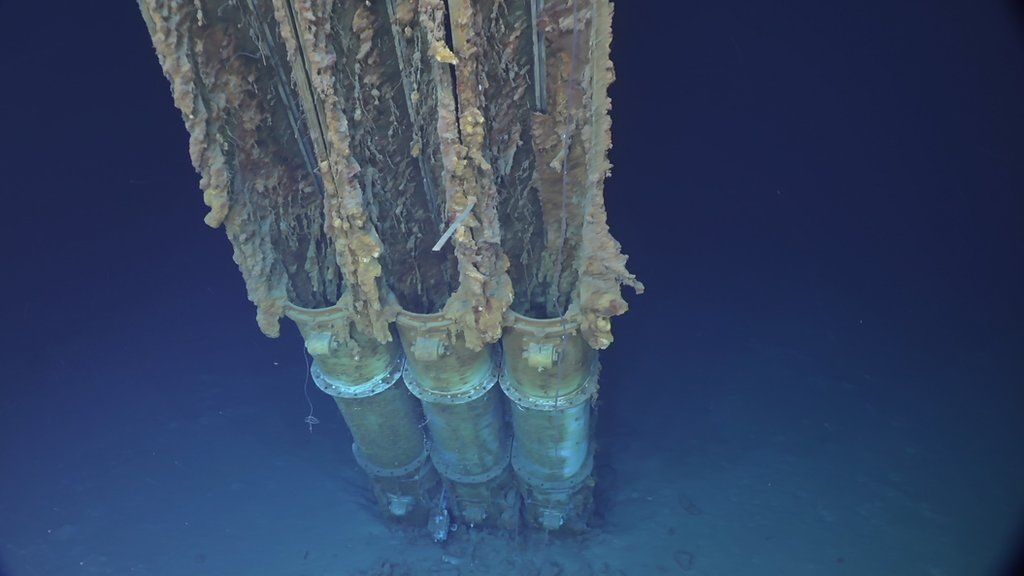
[479,552]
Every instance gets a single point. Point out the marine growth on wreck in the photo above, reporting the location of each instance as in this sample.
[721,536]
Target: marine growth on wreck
[419,186]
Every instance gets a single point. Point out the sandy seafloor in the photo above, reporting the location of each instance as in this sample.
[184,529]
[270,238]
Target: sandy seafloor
[811,439]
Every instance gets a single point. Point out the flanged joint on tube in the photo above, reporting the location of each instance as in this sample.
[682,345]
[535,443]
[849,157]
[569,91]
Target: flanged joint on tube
[362,375]
[470,439]
[550,375]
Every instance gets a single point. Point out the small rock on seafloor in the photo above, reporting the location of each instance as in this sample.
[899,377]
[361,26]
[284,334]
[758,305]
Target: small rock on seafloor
[683,559]
[689,506]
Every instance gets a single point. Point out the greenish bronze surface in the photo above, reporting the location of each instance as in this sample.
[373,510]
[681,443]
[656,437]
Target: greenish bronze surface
[464,413]
[547,357]
[362,374]
[550,376]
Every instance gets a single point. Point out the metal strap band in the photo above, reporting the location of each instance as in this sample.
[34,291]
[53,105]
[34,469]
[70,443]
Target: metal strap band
[466,394]
[342,389]
[446,468]
[380,472]
[568,484]
[570,400]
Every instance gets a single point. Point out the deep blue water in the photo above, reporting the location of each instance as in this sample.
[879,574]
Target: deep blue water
[825,201]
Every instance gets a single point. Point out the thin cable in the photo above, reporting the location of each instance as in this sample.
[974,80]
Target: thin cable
[305,390]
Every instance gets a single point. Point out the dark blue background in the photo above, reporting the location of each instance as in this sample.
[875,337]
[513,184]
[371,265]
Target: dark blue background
[875,150]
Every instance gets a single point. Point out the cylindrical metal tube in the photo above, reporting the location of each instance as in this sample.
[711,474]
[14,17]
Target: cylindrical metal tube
[371,420]
[550,375]
[363,375]
[471,442]
[551,445]
[470,437]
